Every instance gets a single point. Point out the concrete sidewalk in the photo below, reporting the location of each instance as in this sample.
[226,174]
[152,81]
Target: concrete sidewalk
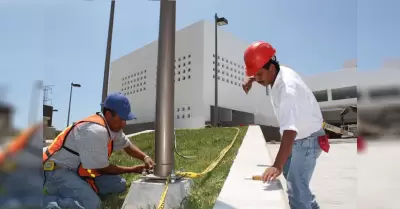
[378,174]
[240,193]
[335,178]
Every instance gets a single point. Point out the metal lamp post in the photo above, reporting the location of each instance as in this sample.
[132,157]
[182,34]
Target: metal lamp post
[108,53]
[164,130]
[70,97]
[219,21]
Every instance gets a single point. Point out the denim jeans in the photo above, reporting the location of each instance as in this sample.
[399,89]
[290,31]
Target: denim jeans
[67,190]
[299,169]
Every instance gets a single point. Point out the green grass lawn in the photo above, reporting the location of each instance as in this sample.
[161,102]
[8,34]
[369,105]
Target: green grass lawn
[206,144]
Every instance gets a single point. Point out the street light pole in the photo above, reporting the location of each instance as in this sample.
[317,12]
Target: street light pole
[218,21]
[215,121]
[70,97]
[164,130]
[108,53]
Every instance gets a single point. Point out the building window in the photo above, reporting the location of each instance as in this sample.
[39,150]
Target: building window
[386,92]
[344,93]
[321,96]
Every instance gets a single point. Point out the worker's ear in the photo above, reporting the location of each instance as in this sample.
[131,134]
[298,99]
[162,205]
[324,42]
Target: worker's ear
[108,114]
[272,68]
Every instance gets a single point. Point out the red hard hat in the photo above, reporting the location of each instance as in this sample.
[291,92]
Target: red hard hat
[256,56]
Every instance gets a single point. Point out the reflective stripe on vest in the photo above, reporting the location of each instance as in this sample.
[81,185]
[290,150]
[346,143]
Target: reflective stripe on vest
[59,143]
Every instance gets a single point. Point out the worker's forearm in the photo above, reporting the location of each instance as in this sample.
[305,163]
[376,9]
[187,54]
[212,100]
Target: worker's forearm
[116,170]
[135,152]
[285,149]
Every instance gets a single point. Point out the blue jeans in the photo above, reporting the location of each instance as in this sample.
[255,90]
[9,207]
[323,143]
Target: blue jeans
[299,169]
[67,190]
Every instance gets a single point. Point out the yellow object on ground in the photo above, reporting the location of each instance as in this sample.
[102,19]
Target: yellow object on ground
[211,167]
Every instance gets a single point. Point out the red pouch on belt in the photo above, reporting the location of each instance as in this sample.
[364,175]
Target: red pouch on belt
[324,143]
[361,144]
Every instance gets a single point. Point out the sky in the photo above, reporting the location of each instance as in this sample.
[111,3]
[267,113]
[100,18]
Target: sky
[64,41]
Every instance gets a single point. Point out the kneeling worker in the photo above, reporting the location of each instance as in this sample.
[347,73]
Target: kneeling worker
[76,165]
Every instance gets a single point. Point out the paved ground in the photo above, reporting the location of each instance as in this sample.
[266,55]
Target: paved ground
[378,174]
[335,178]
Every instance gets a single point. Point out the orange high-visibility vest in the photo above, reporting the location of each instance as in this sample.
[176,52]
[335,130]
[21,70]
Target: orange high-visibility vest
[89,175]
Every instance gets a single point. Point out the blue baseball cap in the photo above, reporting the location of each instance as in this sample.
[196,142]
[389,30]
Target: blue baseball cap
[120,104]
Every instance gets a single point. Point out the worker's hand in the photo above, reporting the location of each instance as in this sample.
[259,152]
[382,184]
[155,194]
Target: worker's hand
[247,84]
[149,163]
[138,169]
[270,174]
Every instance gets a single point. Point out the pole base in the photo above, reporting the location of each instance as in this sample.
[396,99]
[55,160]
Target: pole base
[152,177]
[147,194]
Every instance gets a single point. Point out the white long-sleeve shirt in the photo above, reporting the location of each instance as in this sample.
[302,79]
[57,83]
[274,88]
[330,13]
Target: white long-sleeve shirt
[295,106]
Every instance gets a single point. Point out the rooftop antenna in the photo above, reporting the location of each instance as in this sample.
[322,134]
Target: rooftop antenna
[47,89]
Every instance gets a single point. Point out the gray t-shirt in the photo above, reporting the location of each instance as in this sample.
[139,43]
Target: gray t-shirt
[90,141]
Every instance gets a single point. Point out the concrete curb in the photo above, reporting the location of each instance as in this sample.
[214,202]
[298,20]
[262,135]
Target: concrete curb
[284,184]
[253,194]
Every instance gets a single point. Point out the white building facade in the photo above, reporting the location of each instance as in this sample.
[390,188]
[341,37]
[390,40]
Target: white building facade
[135,76]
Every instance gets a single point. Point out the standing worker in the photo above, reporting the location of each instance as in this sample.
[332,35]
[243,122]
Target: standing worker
[300,121]
[76,164]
